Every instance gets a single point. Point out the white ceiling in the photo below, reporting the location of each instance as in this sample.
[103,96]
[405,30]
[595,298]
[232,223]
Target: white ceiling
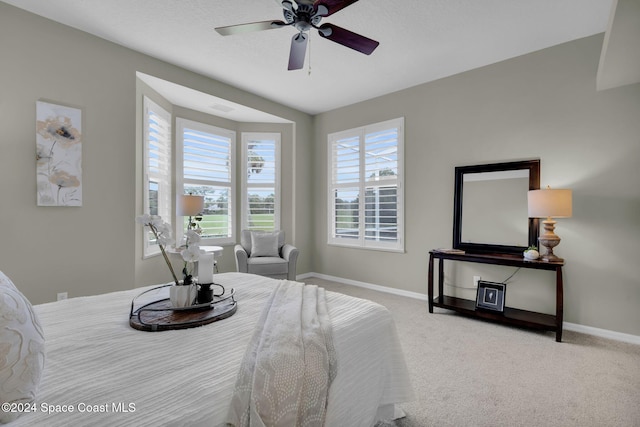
[420,40]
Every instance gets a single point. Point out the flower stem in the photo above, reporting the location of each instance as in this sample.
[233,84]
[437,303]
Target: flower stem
[164,254]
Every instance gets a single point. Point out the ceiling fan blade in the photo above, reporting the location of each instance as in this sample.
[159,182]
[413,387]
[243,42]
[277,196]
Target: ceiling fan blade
[333,6]
[348,38]
[298,51]
[250,27]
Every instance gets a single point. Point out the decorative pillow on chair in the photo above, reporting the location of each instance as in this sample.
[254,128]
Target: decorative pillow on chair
[21,349]
[264,244]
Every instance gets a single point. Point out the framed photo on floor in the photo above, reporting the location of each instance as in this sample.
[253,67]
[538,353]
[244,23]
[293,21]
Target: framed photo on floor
[490,296]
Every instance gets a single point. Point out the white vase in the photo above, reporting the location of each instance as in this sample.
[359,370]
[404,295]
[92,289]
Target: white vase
[183,295]
[531,254]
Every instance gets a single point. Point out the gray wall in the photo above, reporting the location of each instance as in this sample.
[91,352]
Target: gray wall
[92,249]
[542,105]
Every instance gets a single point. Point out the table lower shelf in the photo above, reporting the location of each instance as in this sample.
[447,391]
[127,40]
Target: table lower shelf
[511,316]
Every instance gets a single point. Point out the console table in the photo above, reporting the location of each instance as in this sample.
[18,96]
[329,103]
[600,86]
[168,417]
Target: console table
[511,316]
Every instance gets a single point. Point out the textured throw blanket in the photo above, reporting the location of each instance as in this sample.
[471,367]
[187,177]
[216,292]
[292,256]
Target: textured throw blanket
[289,364]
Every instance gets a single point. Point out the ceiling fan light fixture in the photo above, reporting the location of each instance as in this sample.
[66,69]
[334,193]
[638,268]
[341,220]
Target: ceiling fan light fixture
[287,5]
[289,16]
[325,31]
[304,15]
[321,10]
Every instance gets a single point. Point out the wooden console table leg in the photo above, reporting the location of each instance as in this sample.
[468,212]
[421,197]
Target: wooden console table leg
[430,284]
[441,281]
[559,304]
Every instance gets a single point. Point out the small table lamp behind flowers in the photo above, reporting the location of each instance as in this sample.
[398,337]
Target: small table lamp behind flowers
[162,232]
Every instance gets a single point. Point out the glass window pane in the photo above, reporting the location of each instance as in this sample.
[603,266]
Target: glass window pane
[153,197]
[217,216]
[381,213]
[381,155]
[261,204]
[346,159]
[261,161]
[347,207]
[206,156]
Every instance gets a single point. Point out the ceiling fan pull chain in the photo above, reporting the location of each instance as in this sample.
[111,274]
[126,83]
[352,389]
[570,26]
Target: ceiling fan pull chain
[309,45]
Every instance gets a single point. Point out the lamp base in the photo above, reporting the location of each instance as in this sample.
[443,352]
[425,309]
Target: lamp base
[549,240]
[551,258]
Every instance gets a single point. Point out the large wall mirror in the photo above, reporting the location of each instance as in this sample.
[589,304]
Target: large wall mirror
[490,207]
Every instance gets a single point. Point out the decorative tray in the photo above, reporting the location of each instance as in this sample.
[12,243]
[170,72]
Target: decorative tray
[160,315]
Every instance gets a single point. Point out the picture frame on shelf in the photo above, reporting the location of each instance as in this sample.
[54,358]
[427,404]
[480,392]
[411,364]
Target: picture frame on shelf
[490,296]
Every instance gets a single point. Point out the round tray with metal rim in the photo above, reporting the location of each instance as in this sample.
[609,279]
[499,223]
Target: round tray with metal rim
[160,315]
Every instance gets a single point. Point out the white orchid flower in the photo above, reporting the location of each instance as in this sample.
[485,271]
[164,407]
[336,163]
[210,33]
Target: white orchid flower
[164,228]
[162,231]
[144,219]
[192,237]
[191,253]
[156,221]
[165,240]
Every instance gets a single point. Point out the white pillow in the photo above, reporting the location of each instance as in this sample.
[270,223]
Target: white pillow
[21,349]
[264,244]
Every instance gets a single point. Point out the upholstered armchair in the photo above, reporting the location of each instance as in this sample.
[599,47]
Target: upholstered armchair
[266,254]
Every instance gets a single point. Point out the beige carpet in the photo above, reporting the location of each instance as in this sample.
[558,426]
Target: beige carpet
[468,372]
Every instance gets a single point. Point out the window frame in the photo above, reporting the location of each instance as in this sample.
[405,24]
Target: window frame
[362,184]
[181,124]
[164,181]
[246,138]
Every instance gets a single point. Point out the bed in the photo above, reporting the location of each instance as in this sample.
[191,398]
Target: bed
[109,374]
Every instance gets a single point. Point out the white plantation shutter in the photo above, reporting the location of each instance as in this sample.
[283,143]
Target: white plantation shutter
[365,186]
[157,168]
[381,176]
[207,156]
[261,181]
[205,163]
[346,160]
[345,191]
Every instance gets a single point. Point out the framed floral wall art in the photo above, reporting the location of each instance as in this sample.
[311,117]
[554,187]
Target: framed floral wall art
[58,155]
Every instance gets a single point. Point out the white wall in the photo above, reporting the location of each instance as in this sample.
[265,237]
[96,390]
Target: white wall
[542,105]
[91,249]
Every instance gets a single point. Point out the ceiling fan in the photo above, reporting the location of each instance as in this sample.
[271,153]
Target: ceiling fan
[304,15]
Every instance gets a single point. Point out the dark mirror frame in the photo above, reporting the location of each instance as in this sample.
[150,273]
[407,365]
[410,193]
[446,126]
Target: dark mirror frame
[534,184]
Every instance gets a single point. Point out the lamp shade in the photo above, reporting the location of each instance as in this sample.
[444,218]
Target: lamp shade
[191,205]
[549,203]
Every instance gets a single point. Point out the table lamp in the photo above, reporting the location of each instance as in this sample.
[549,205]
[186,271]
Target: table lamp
[549,203]
[191,205]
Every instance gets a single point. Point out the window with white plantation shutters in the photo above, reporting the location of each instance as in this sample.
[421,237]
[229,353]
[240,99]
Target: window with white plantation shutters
[260,181]
[157,169]
[365,186]
[345,189]
[205,163]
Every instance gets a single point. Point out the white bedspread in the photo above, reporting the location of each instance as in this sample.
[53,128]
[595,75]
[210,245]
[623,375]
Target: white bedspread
[97,365]
[289,364]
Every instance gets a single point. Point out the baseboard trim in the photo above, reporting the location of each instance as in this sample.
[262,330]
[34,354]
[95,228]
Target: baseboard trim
[574,327]
[603,333]
[409,294]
